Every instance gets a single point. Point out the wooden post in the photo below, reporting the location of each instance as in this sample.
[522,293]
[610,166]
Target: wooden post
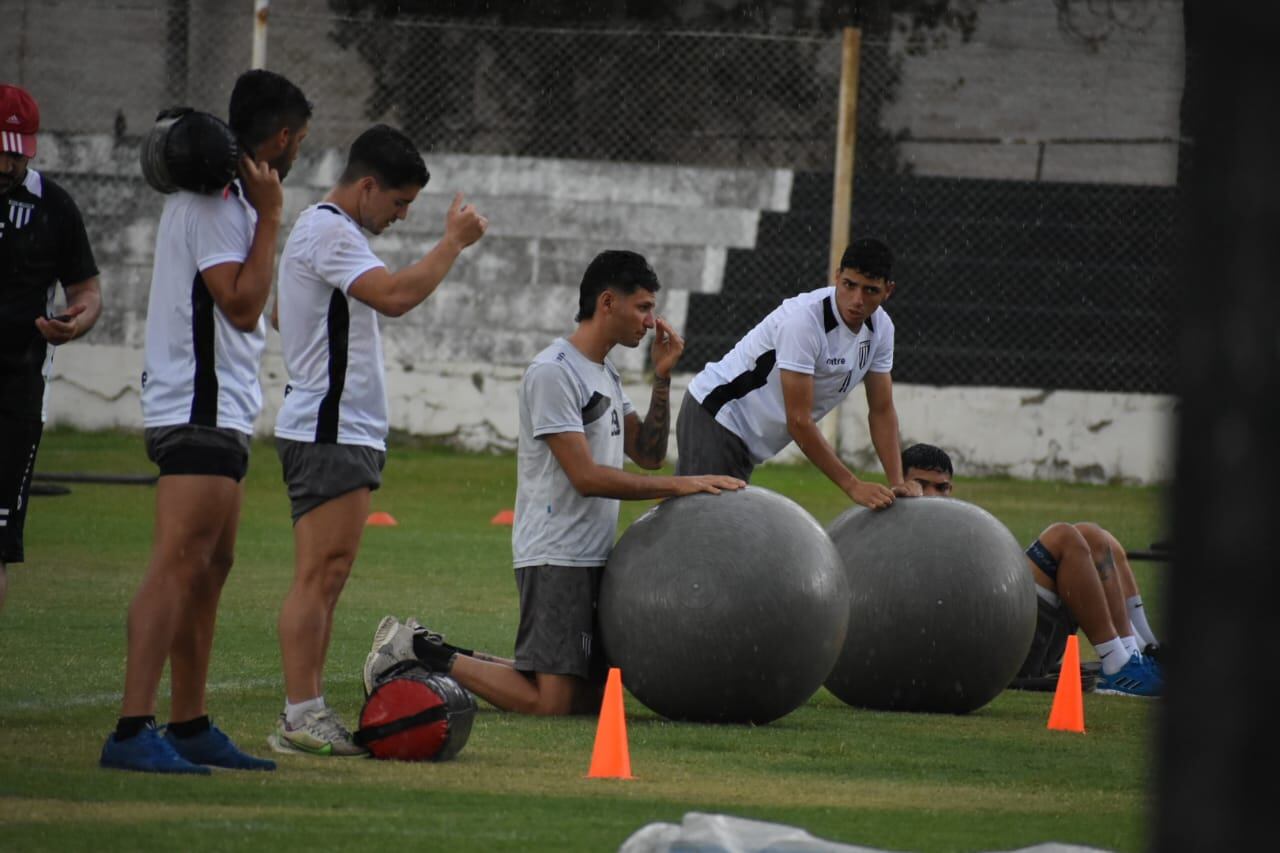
[846,141]
[842,180]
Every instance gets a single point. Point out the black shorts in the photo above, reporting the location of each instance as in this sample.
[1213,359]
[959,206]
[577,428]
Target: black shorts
[559,626]
[195,449]
[19,441]
[705,446]
[317,473]
[1054,624]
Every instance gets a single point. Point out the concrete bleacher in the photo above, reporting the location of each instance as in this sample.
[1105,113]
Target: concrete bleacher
[507,295]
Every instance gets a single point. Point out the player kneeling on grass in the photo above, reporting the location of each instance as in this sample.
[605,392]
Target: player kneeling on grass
[1083,581]
[576,424]
[331,431]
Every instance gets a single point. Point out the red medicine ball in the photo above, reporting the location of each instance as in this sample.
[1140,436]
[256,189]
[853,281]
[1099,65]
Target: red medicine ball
[416,715]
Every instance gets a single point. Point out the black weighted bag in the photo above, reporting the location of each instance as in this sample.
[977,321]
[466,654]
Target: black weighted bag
[189,150]
[414,714]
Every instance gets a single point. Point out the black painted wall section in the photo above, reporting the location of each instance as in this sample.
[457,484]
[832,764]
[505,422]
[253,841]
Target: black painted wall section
[1000,283]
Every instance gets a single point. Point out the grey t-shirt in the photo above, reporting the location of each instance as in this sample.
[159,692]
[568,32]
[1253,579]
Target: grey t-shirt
[564,391]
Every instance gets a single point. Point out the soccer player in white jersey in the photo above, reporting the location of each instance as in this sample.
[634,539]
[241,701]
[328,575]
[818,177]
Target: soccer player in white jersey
[331,431]
[200,396]
[576,424]
[793,368]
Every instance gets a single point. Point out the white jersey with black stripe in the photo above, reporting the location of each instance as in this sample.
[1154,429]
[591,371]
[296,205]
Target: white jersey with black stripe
[199,368]
[331,340]
[805,334]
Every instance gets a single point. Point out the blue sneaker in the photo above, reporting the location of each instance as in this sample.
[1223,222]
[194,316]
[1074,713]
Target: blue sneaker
[1136,678]
[214,749]
[146,752]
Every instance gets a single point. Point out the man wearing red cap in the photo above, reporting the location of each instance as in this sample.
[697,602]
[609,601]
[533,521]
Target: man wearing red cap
[42,242]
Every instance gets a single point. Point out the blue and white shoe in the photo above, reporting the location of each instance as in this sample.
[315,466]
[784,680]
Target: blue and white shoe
[1138,677]
[146,752]
[214,749]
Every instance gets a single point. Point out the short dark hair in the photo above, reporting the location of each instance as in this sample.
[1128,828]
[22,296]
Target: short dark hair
[869,256]
[617,270]
[262,102]
[926,457]
[389,156]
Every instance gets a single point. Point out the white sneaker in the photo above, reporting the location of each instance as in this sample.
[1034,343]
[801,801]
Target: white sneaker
[321,733]
[392,643]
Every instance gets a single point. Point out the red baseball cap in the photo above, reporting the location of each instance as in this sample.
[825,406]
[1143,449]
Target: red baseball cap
[19,121]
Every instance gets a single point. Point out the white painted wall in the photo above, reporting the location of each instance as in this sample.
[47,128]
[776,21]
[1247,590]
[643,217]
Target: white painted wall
[1059,435]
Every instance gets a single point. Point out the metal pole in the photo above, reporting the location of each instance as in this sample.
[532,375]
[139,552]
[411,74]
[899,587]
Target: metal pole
[261,8]
[842,181]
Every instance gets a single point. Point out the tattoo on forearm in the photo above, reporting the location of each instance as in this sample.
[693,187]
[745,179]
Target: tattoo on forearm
[651,439]
[1106,565]
[488,657]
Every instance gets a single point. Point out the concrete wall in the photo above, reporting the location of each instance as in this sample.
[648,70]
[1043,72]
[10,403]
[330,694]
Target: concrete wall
[1051,106]
[1023,433]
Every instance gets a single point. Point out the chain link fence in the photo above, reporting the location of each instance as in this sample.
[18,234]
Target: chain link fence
[1042,261]
[1007,277]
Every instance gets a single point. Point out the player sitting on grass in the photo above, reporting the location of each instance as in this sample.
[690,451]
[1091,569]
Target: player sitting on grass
[1083,581]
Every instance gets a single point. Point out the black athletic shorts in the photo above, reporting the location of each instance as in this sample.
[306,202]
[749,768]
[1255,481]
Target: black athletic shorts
[559,627]
[195,449]
[19,441]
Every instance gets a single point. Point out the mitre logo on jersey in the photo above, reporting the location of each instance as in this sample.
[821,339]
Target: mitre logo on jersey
[864,352]
[20,213]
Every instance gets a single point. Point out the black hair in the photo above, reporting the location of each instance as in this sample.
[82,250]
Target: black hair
[263,102]
[926,457]
[869,256]
[617,270]
[389,156]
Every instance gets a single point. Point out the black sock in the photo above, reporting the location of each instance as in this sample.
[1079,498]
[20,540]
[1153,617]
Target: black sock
[191,728]
[436,654]
[127,727]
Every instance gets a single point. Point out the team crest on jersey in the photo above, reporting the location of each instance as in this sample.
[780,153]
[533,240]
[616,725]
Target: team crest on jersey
[20,212]
[864,352]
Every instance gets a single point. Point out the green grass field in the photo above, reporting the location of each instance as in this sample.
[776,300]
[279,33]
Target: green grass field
[992,780]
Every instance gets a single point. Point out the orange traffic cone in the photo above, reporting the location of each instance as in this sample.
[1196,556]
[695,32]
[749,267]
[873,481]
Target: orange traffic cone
[1067,714]
[611,758]
[381,519]
[506,518]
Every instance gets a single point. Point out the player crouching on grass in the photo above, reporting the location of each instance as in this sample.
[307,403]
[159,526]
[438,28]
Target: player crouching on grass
[576,425]
[1083,581]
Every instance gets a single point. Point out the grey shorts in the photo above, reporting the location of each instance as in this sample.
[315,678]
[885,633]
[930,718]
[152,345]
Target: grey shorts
[1054,624]
[559,632]
[195,449]
[703,446]
[317,473]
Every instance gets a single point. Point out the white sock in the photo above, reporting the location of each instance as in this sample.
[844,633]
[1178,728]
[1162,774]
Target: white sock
[1138,616]
[1131,643]
[293,713]
[1113,655]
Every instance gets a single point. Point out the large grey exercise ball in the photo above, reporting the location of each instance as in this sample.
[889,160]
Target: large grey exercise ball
[942,606]
[724,608]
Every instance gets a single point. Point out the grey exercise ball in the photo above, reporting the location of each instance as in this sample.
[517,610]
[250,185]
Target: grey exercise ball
[942,606]
[724,608]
